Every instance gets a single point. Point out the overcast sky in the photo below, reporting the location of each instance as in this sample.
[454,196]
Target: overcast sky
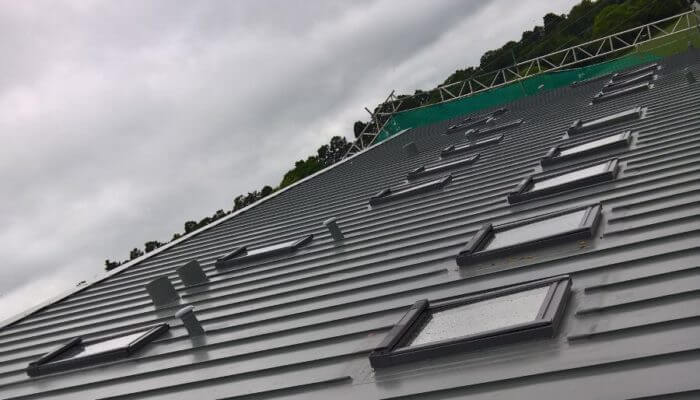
[121,120]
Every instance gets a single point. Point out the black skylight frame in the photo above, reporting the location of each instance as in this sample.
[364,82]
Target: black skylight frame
[612,85]
[452,150]
[240,255]
[469,123]
[389,194]
[579,126]
[476,249]
[554,156]
[433,169]
[391,350]
[522,192]
[48,364]
[621,76]
[474,121]
[603,96]
[474,133]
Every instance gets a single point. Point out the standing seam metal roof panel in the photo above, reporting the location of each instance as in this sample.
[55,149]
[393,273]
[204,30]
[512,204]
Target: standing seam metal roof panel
[302,325]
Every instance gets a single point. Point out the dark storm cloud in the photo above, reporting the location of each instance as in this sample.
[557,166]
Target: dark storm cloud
[121,120]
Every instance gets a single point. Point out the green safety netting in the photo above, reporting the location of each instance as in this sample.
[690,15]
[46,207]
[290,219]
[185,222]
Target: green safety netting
[509,93]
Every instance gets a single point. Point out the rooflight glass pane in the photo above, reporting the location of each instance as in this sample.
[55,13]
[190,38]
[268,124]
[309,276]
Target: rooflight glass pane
[592,145]
[612,118]
[569,177]
[478,143]
[482,316]
[449,164]
[100,347]
[537,230]
[273,247]
[411,188]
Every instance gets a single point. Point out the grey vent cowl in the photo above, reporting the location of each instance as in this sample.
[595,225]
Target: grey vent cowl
[162,292]
[190,321]
[334,229]
[192,273]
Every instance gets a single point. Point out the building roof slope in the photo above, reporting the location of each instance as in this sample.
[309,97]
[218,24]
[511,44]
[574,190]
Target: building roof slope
[302,324]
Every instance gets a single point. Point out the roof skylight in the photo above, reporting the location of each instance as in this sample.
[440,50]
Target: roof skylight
[242,254]
[503,239]
[463,148]
[432,169]
[77,354]
[497,317]
[562,153]
[557,182]
[392,194]
[611,86]
[469,123]
[602,96]
[473,133]
[580,126]
[621,76]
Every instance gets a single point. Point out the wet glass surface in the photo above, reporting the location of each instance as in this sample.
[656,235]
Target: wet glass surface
[537,230]
[450,164]
[482,316]
[416,187]
[592,145]
[272,247]
[611,118]
[569,177]
[81,351]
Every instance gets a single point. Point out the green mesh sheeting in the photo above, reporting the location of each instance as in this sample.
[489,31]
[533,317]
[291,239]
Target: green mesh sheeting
[508,93]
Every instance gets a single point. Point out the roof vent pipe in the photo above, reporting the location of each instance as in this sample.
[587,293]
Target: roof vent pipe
[186,314]
[191,274]
[334,229]
[410,149]
[689,76]
[162,292]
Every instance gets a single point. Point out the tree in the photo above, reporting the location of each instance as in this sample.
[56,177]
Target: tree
[135,253]
[358,128]
[220,213]
[302,169]
[152,245]
[266,191]
[552,22]
[190,226]
[110,265]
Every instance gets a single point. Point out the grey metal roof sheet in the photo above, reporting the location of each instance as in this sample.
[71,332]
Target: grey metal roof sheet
[302,325]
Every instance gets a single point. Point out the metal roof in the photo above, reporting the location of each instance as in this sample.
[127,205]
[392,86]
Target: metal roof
[302,324]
